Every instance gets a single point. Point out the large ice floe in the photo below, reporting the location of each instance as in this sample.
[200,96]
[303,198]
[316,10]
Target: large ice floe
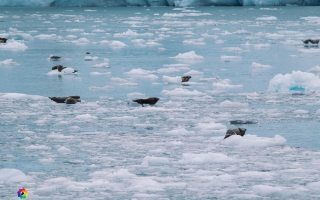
[296,81]
[82,3]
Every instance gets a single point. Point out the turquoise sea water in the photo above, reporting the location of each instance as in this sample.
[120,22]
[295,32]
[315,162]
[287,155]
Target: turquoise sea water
[174,150]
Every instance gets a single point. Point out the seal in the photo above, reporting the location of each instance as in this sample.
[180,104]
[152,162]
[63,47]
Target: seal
[71,100]
[3,40]
[63,99]
[150,101]
[306,41]
[60,68]
[314,41]
[55,58]
[235,131]
[185,78]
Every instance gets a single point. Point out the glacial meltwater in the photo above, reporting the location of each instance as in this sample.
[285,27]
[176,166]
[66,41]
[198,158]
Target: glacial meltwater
[245,63]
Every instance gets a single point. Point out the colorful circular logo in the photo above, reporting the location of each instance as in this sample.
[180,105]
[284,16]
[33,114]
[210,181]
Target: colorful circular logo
[22,193]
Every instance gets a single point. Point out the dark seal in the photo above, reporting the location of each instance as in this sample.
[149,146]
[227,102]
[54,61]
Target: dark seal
[55,58]
[63,99]
[71,100]
[60,68]
[150,101]
[235,131]
[185,78]
[3,40]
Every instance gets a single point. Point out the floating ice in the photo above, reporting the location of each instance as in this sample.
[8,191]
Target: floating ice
[257,65]
[107,87]
[267,18]
[199,41]
[193,73]
[296,81]
[101,65]
[131,33]
[146,74]
[65,71]
[144,43]
[223,84]
[46,36]
[16,96]
[253,140]
[169,79]
[229,58]
[91,58]
[182,92]
[13,45]
[117,44]
[207,158]
[314,70]
[151,160]
[100,73]
[188,56]
[13,175]
[8,62]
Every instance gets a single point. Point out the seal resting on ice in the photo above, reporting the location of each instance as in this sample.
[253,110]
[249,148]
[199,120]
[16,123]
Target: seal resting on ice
[71,100]
[60,68]
[3,40]
[185,78]
[312,41]
[63,99]
[235,131]
[150,101]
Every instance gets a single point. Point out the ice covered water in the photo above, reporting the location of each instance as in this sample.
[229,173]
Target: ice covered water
[245,63]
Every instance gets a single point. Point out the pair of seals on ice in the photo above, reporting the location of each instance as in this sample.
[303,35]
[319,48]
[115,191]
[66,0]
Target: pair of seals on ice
[311,41]
[150,101]
[185,78]
[67,100]
[235,131]
[3,40]
[60,68]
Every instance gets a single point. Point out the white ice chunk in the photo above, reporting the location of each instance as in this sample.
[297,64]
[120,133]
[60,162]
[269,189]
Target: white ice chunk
[205,158]
[117,44]
[169,79]
[13,175]
[267,18]
[257,65]
[151,160]
[188,56]
[253,140]
[13,45]
[182,92]
[296,81]
[8,62]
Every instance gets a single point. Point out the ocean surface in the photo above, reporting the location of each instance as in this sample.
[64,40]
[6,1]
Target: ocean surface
[246,63]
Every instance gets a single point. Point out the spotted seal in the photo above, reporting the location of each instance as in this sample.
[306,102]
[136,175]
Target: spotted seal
[185,78]
[63,99]
[235,131]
